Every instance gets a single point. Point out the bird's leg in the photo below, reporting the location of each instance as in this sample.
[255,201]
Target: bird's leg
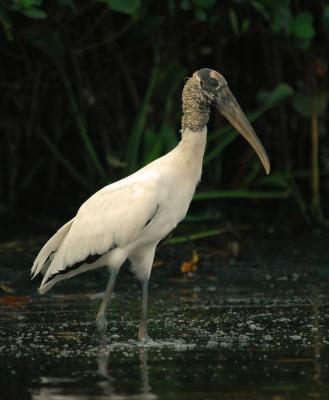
[142,334]
[101,322]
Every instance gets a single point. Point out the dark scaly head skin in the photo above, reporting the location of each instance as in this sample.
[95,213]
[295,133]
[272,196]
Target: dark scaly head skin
[196,105]
[208,87]
[211,82]
[200,92]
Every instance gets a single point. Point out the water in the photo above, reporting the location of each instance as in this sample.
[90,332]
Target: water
[265,340]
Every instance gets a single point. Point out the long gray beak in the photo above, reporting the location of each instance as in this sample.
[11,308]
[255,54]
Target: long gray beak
[229,107]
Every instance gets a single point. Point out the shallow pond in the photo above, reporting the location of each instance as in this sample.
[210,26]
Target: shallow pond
[233,341]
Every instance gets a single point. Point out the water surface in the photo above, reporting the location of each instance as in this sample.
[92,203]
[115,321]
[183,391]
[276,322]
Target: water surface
[233,341]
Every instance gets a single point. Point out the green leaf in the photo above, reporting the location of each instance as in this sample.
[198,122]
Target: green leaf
[185,5]
[268,98]
[124,6]
[277,12]
[114,161]
[200,15]
[227,137]
[152,147]
[245,25]
[275,179]
[21,5]
[35,13]
[28,3]
[67,3]
[63,160]
[308,103]
[240,194]
[234,22]
[134,143]
[258,6]
[4,15]
[302,26]
[200,235]
[81,124]
[6,23]
[207,216]
[282,18]
[205,4]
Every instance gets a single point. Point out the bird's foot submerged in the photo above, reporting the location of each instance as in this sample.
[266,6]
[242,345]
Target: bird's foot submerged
[101,325]
[144,338]
[146,341]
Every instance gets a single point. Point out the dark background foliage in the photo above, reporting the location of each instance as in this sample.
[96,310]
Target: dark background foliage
[91,91]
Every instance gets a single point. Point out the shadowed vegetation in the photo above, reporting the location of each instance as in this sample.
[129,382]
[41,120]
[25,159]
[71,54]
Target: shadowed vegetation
[91,91]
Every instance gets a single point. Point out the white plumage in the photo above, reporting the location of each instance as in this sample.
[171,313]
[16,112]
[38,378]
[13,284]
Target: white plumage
[127,219]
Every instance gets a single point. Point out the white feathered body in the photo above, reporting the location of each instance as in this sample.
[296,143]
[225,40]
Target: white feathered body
[127,219]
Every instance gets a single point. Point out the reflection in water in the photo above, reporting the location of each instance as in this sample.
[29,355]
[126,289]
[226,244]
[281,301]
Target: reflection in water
[54,387]
[316,302]
[240,343]
[104,370]
[146,388]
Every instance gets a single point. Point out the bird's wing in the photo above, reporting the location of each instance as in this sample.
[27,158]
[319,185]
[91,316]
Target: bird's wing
[110,218]
[43,259]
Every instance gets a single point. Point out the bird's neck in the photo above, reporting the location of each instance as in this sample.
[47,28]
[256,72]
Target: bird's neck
[192,147]
[196,107]
[196,110]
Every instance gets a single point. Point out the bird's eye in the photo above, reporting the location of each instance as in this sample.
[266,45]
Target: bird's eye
[214,83]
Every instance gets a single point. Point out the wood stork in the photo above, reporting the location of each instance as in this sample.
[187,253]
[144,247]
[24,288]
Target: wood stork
[127,219]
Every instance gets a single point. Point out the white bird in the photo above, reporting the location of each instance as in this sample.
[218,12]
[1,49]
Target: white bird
[127,219]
